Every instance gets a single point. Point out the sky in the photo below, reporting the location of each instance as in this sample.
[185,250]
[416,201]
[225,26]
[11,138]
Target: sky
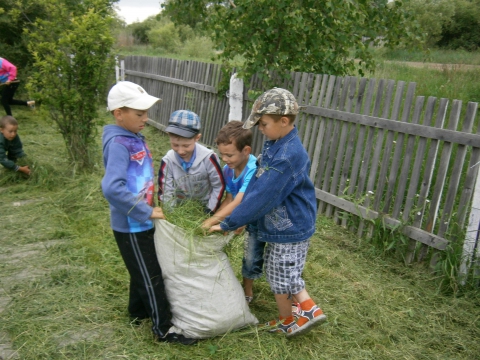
[137,10]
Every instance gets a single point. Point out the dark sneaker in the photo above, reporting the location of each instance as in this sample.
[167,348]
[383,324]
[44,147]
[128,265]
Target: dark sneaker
[177,338]
[307,319]
[277,326]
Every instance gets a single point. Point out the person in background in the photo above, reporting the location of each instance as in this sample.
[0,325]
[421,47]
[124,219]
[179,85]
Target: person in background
[9,85]
[11,147]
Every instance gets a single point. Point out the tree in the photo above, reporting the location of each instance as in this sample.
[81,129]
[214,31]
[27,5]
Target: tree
[432,16]
[463,31]
[298,35]
[72,62]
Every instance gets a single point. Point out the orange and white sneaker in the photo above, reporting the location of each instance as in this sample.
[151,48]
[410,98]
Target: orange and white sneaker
[307,320]
[278,326]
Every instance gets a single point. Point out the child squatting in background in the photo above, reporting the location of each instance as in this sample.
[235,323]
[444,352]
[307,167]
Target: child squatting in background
[189,170]
[280,201]
[128,185]
[11,147]
[234,144]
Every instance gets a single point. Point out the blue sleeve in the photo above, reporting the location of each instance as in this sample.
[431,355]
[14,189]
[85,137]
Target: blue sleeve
[264,193]
[114,184]
[246,179]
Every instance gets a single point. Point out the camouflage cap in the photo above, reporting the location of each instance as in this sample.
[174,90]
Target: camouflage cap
[275,101]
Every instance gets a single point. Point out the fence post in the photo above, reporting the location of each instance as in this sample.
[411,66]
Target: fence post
[235,98]
[117,70]
[122,70]
[471,251]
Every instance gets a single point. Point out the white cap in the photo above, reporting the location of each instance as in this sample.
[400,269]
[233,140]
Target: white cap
[131,95]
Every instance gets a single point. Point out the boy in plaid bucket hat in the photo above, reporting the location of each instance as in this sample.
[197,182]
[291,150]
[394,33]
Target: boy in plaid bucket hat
[189,170]
[280,202]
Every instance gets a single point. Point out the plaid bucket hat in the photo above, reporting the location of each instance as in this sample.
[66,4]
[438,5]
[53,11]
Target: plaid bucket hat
[276,101]
[184,123]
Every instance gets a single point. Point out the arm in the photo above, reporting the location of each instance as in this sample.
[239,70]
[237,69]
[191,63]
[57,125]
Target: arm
[228,204]
[114,185]
[217,182]
[9,164]
[263,194]
[10,69]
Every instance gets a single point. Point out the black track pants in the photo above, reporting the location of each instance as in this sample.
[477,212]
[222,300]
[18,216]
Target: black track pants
[147,291]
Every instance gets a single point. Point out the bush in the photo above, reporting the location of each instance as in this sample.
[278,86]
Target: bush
[199,47]
[165,37]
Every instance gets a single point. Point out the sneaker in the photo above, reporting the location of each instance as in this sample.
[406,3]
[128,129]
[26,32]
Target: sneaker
[31,104]
[277,326]
[296,310]
[177,338]
[314,316]
[248,299]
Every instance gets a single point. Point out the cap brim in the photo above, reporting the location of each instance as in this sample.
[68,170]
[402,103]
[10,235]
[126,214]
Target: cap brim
[181,131]
[143,103]
[251,121]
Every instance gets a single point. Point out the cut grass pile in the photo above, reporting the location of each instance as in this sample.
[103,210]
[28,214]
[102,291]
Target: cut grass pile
[68,299]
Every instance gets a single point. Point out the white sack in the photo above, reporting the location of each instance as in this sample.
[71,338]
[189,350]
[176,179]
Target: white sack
[205,296]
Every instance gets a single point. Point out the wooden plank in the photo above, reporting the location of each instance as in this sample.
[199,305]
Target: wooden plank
[422,236]
[337,147]
[408,157]
[320,133]
[314,127]
[472,172]
[185,83]
[443,168]
[331,132]
[357,100]
[455,175]
[397,154]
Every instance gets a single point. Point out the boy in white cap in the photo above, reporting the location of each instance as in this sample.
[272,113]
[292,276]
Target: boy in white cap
[280,201]
[128,185]
[189,170]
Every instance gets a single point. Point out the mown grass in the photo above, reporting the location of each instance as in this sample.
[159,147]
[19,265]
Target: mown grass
[75,308]
[431,55]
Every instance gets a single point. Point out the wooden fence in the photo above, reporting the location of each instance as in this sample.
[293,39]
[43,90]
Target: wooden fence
[377,150]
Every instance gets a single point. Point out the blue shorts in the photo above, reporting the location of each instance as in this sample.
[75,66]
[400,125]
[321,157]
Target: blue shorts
[252,262]
[284,263]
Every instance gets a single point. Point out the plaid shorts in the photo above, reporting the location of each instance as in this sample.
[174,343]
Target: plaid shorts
[284,264]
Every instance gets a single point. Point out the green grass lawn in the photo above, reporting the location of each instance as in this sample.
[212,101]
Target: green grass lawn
[64,287]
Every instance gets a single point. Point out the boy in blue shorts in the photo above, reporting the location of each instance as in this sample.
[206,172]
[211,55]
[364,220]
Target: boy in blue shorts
[128,186]
[280,200]
[235,146]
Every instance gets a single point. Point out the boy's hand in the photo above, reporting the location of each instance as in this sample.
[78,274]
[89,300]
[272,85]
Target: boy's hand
[208,223]
[25,169]
[157,213]
[239,230]
[215,228]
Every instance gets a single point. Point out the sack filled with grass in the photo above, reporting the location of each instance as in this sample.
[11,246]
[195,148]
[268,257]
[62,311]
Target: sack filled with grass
[205,296]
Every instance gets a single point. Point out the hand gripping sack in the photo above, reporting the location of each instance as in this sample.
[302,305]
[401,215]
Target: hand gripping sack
[205,296]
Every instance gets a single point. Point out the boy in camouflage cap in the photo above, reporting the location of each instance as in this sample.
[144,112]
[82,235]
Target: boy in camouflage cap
[280,201]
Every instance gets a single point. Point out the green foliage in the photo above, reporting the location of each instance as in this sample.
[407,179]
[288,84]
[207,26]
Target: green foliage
[463,32]
[165,37]
[71,49]
[140,29]
[432,16]
[274,36]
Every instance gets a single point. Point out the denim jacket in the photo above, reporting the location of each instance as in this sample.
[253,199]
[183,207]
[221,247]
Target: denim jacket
[280,198]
